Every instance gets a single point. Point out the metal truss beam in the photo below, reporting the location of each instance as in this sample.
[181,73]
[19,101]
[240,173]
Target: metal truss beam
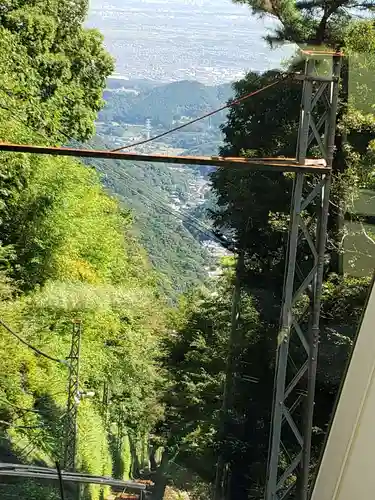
[70,438]
[292,422]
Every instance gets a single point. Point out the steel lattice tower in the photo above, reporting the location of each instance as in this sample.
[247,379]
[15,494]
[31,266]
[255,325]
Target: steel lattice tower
[294,391]
[287,469]
[70,438]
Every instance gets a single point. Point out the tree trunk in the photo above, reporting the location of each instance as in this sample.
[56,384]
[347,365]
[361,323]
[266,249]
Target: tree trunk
[219,490]
[153,464]
[336,214]
[161,479]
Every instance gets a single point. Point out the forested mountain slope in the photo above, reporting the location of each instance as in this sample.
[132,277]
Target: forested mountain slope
[163,103]
[71,251]
[150,191]
[160,195]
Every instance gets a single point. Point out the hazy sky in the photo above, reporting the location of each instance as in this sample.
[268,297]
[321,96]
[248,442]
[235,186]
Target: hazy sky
[207,40]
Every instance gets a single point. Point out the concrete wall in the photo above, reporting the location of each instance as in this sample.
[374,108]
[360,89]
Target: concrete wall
[347,470]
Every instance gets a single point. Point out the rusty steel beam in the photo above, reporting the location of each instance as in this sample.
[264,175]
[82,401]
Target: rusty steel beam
[275,164]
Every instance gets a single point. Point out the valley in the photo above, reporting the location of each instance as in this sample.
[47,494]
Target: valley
[169,203]
[173,63]
[134,346]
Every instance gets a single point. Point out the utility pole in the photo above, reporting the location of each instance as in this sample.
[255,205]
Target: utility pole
[148,128]
[105,401]
[229,384]
[105,409]
[70,438]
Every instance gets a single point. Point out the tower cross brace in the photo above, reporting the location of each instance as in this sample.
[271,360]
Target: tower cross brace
[70,438]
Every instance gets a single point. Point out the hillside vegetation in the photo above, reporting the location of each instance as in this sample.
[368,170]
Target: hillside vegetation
[149,190]
[67,252]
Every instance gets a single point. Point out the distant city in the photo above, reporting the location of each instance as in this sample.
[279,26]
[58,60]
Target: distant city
[211,41]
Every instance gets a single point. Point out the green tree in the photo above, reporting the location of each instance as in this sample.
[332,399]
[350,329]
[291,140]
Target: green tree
[58,68]
[195,354]
[312,22]
[148,190]
[334,25]
[67,250]
[195,358]
[77,260]
[253,208]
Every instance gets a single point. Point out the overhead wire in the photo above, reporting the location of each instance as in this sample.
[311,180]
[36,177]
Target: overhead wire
[159,200]
[34,445]
[18,407]
[175,213]
[230,104]
[10,424]
[196,223]
[32,410]
[30,346]
[163,202]
[204,229]
[199,225]
[24,122]
[193,221]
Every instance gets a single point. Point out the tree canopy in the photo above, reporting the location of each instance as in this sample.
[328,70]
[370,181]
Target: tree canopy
[54,69]
[253,207]
[312,22]
[67,251]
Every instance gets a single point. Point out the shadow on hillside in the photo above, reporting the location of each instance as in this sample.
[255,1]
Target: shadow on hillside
[43,447]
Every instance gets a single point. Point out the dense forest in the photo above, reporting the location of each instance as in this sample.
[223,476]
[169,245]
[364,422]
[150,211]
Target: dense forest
[69,250]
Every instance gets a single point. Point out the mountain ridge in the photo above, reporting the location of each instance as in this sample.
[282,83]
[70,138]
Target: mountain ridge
[164,103]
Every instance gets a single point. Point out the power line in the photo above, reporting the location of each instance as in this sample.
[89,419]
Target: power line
[206,115]
[194,222]
[211,113]
[24,122]
[18,407]
[31,410]
[10,424]
[188,216]
[17,118]
[163,202]
[35,349]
